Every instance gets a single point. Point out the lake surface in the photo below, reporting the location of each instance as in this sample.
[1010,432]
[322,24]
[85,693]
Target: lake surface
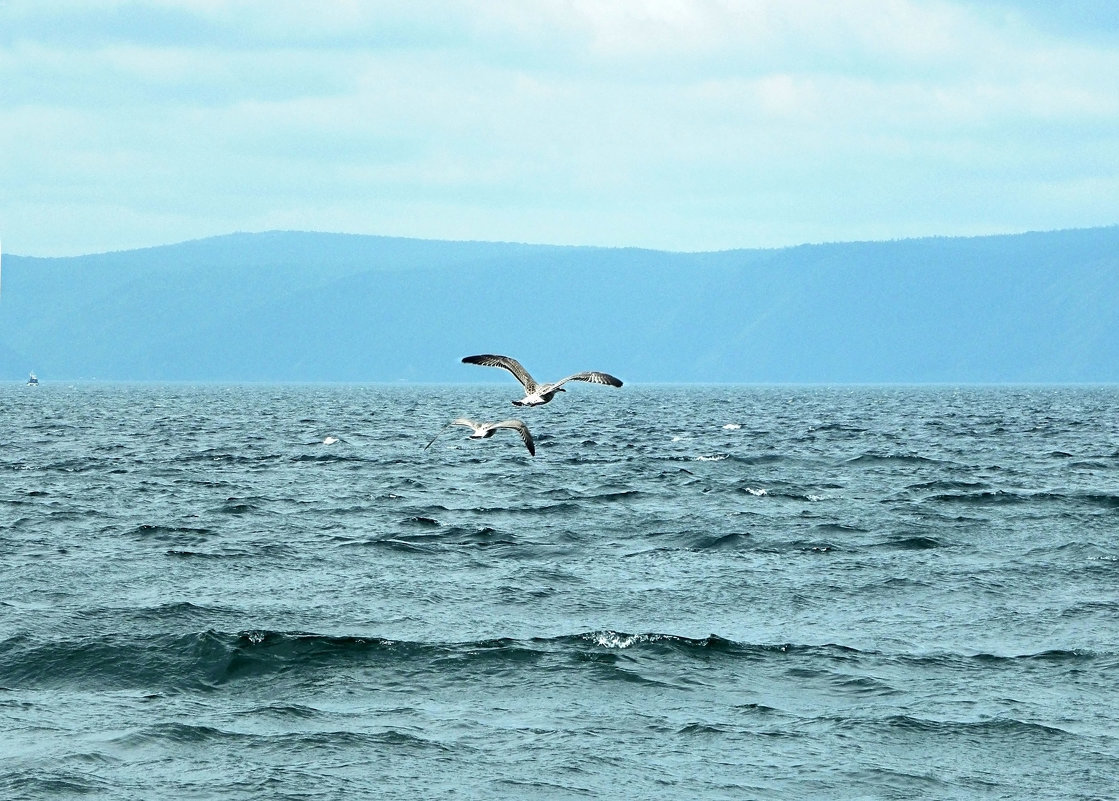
[245,592]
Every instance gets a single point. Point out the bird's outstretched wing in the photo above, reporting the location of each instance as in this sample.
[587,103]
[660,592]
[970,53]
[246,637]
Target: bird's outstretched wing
[521,429]
[458,421]
[591,377]
[507,363]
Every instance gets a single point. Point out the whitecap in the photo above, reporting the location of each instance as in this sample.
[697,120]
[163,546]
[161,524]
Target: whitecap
[732,426]
[330,440]
[718,457]
[758,492]
[612,639]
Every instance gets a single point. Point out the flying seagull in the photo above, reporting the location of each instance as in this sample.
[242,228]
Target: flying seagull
[487,430]
[538,394]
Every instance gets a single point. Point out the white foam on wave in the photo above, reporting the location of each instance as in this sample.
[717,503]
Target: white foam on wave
[330,440]
[758,492]
[612,639]
[718,457]
[732,426]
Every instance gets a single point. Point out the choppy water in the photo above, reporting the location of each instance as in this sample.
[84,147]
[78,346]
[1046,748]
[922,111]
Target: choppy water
[720,592]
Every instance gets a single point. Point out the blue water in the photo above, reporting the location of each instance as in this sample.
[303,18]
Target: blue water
[689,592]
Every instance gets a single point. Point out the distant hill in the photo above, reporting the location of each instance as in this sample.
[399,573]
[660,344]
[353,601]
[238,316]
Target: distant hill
[290,306]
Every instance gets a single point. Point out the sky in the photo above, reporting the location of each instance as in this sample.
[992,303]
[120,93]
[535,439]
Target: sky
[671,124]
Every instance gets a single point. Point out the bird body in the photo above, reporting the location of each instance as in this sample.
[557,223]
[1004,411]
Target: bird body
[487,430]
[538,394]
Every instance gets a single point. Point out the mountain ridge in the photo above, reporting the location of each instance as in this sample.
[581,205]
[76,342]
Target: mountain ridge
[341,235]
[309,306]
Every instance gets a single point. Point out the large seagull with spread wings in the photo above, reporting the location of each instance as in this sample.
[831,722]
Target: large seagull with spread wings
[538,394]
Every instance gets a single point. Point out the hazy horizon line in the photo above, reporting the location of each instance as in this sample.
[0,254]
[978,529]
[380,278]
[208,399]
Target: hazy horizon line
[525,243]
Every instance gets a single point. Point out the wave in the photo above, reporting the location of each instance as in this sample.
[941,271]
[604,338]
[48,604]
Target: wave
[893,459]
[461,535]
[429,530]
[1052,655]
[54,783]
[607,638]
[298,742]
[74,466]
[329,458]
[1093,464]
[176,613]
[755,460]
[113,661]
[280,711]
[996,727]
[948,485]
[841,427]
[1106,607]
[780,494]
[208,660]
[987,497]
[242,506]
[839,528]
[612,495]
[969,663]
[734,541]
[1009,497]
[731,543]
[913,542]
[150,531]
[252,552]
[222,456]
[1105,500]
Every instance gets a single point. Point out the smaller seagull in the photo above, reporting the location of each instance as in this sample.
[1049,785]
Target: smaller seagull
[487,430]
[538,394]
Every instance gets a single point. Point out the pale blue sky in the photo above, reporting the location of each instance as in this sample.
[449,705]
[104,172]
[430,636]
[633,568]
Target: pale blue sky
[674,124]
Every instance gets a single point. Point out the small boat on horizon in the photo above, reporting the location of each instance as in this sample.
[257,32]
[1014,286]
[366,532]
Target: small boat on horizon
[32,380]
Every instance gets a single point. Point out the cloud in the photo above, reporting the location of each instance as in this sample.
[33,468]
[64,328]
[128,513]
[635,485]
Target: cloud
[675,124]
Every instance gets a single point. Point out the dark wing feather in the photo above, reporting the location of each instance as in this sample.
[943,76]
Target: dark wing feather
[591,377]
[521,429]
[507,363]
